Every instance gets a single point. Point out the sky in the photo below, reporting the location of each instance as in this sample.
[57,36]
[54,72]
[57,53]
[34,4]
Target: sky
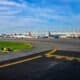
[39,15]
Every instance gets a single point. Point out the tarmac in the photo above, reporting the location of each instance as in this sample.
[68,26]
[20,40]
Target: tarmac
[34,65]
[41,68]
[41,45]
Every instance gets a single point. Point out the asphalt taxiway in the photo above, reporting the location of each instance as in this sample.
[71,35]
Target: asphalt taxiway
[40,68]
[33,65]
[41,45]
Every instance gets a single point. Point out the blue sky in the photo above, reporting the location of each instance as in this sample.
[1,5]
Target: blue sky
[39,15]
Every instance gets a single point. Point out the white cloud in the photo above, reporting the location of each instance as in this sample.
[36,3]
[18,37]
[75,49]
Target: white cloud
[10,3]
[10,7]
[33,16]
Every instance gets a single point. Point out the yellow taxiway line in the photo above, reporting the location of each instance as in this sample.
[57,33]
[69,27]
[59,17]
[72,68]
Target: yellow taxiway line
[50,53]
[65,57]
[26,60]
[20,61]
[47,55]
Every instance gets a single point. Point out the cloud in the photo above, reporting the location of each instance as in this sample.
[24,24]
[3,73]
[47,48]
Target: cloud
[23,14]
[10,7]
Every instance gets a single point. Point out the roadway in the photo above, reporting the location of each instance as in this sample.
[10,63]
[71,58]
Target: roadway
[41,45]
[38,67]
[60,44]
[35,66]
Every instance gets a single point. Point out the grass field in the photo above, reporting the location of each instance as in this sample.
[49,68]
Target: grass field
[14,45]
